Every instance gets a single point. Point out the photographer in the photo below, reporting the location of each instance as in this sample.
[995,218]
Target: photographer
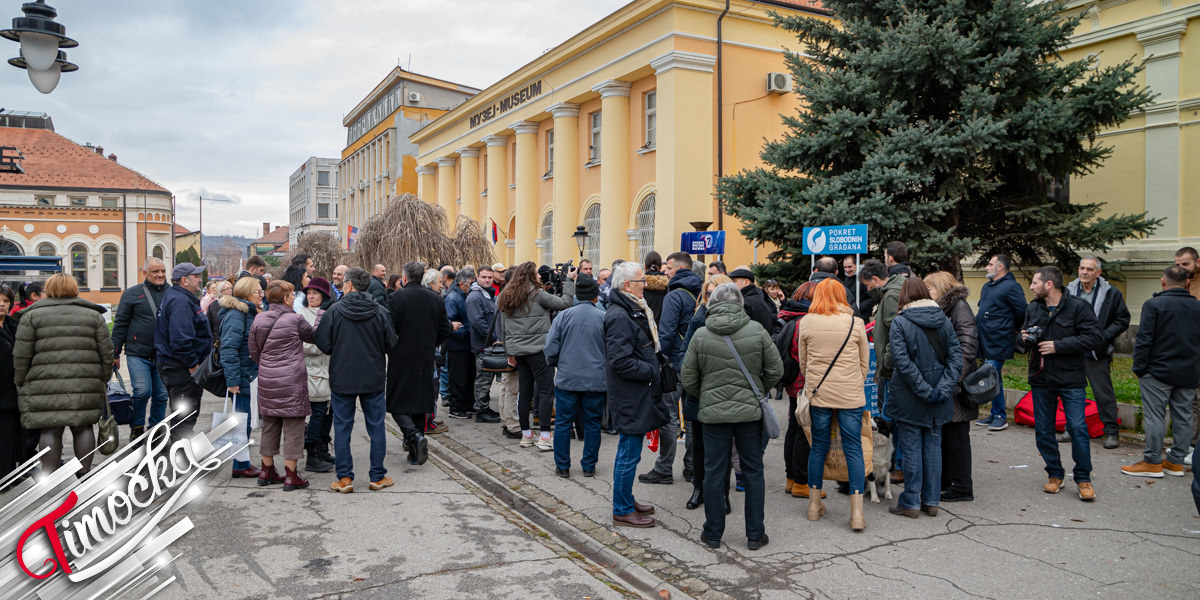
[1059,331]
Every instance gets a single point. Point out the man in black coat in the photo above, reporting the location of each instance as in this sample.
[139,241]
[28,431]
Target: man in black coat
[1109,305]
[1068,331]
[182,340]
[1166,359]
[419,319]
[634,386]
[378,289]
[133,332]
[753,300]
[357,334]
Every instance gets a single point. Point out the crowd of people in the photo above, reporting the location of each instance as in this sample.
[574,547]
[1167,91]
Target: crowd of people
[654,352]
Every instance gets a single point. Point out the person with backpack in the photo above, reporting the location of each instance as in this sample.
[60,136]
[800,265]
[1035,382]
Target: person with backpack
[926,360]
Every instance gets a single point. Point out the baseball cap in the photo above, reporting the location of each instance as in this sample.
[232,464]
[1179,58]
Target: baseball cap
[182,270]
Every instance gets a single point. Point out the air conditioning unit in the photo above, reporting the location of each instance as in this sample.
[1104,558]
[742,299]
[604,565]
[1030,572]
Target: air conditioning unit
[779,83]
[386,173]
[414,96]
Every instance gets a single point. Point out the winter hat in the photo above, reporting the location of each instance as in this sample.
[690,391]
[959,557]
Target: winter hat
[586,288]
[742,274]
[320,284]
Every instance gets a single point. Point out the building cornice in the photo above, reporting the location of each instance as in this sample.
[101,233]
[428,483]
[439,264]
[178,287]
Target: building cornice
[524,127]
[563,110]
[468,152]
[688,61]
[613,89]
[446,161]
[495,140]
[427,170]
[1133,27]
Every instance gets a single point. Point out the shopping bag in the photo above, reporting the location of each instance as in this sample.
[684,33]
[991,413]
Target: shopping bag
[120,403]
[254,419]
[835,460]
[236,437]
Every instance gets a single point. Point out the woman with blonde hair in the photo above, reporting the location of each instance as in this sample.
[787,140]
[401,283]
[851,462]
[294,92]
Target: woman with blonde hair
[835,358]
[237,312]
[277,344]
[62,359]
[951,296]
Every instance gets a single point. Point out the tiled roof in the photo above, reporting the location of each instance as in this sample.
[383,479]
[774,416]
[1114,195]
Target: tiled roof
[54,162]
[278,236]
[181,230]
[286,247]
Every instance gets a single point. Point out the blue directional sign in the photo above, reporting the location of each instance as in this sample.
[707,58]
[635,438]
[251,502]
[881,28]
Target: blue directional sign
[835,239]
[703,242]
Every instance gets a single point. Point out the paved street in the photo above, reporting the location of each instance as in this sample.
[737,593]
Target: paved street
[486,518]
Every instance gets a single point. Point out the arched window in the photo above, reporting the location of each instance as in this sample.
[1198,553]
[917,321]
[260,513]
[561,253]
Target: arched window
[158,252]
[546,240]
[645,227]
[79,264]
[9,248]
[47,249]
[591,222]
[109,267]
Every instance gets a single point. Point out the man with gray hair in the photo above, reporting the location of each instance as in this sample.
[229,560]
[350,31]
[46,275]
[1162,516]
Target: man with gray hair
[459,360]
[357,334]
[1109,305]
[133,330]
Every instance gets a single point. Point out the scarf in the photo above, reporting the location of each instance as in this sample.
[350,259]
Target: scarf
[641,302]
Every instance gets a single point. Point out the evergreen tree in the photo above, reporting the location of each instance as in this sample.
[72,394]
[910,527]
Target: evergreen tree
[190,255]
[943,124]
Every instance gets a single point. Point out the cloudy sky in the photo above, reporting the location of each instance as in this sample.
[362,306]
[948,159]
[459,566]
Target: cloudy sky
[225,99]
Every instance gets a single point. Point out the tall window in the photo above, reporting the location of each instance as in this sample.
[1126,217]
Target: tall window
[158,252]
[594,148]
[591,222]
[323,178]
[109,267]
[322,210]
[8,248]
[79,264]
[47,249]
[547,239]
[549,152]
[651,119]
[645,227]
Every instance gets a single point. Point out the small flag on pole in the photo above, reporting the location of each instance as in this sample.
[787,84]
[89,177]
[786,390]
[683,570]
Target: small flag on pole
[351,237]
[495,233]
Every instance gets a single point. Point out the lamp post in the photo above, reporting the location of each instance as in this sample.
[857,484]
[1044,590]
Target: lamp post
[40,38]
[581,236]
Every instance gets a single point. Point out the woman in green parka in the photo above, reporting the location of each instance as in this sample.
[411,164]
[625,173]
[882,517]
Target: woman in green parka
[62,359]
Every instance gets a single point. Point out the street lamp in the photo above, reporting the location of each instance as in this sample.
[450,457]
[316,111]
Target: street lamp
[40,38]
[581,236]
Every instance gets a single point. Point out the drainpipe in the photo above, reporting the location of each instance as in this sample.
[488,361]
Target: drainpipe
[720,117]
[124,244]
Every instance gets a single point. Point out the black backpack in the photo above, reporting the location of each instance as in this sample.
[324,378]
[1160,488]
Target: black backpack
[783,343]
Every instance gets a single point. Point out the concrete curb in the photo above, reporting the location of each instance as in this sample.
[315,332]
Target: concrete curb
[623,569]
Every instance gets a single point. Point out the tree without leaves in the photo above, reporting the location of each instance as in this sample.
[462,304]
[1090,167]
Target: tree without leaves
[939,123]
[410,229]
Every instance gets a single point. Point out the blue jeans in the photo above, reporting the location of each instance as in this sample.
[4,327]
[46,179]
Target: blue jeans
[629,454]
[147,387]
[1045,405]
[241,403]
[998,402]
[718,439]
[374,408]
[923,469]
[849,422]
[443,382]
[897,454]
[591,406]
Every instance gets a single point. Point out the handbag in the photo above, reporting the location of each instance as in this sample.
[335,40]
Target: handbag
[980,385]
[493,358]
[237,439]
[120,403]
[769,420]
[210,374]
[109,433]
[667,377]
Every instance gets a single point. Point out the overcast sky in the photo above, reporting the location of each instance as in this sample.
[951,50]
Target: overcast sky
[226,98]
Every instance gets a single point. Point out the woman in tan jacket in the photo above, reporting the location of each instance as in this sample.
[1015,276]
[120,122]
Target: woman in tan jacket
[835,358]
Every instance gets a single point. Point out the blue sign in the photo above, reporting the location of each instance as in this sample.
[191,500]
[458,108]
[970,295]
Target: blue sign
[836,239]
[870,388]
[703,242]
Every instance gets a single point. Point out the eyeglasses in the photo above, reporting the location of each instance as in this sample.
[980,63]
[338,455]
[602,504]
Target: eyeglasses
[636,280]
[259,292]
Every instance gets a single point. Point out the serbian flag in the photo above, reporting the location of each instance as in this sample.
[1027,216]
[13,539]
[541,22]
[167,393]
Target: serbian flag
[351,236]
[495,233]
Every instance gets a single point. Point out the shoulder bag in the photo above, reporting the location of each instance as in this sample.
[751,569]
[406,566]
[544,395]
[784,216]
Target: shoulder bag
[493,358]
[108,432]
[769,421]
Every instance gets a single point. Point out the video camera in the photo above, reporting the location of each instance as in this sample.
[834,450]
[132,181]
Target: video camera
[557,276]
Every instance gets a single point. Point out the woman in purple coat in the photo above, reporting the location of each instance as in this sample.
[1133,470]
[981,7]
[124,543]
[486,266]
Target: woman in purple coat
[276,343]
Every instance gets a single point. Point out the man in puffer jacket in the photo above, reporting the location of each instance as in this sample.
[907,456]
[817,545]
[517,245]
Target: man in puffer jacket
[729,406]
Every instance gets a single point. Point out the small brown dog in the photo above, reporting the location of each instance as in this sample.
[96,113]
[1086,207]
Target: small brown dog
[881,459]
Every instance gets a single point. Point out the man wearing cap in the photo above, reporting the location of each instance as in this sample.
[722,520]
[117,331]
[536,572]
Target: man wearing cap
[498,270]
[182,340]
[575,346]
[757,306]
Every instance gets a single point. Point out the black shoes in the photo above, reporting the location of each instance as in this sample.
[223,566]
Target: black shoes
[460,414]
[591,473]
[953,495]
[710,543]
[418,450]
[759,543]
[688,474]
[656,477]
[696,500]
[1063,438]
[564,473]
[314,462]
[1111,441]
[487,416]
[512,435]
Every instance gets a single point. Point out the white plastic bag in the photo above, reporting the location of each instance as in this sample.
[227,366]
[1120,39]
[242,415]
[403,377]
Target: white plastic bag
[255,421]
[236,437]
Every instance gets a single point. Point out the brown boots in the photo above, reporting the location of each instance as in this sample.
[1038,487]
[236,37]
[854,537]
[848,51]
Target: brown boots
[268,475]
[857,522]
[292,481]
[816,508]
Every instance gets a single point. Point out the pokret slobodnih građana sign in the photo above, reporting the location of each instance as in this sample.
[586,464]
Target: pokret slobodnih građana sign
[836,239]
[507,103]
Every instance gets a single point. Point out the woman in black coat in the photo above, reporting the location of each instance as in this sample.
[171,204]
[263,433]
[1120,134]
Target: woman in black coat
[634,386]
[419,319]
[16,443]
[951,297]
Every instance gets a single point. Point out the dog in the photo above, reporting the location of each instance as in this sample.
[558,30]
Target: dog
[881,459]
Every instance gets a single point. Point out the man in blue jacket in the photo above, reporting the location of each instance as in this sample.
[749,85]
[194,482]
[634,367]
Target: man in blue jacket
[1001,306]
[182,340]
[481,308]
[575,345]
[460,362]
[677,309]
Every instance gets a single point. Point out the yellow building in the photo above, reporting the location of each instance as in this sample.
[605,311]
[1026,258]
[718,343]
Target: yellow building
[618,130]
[379,162]
[1148,168]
